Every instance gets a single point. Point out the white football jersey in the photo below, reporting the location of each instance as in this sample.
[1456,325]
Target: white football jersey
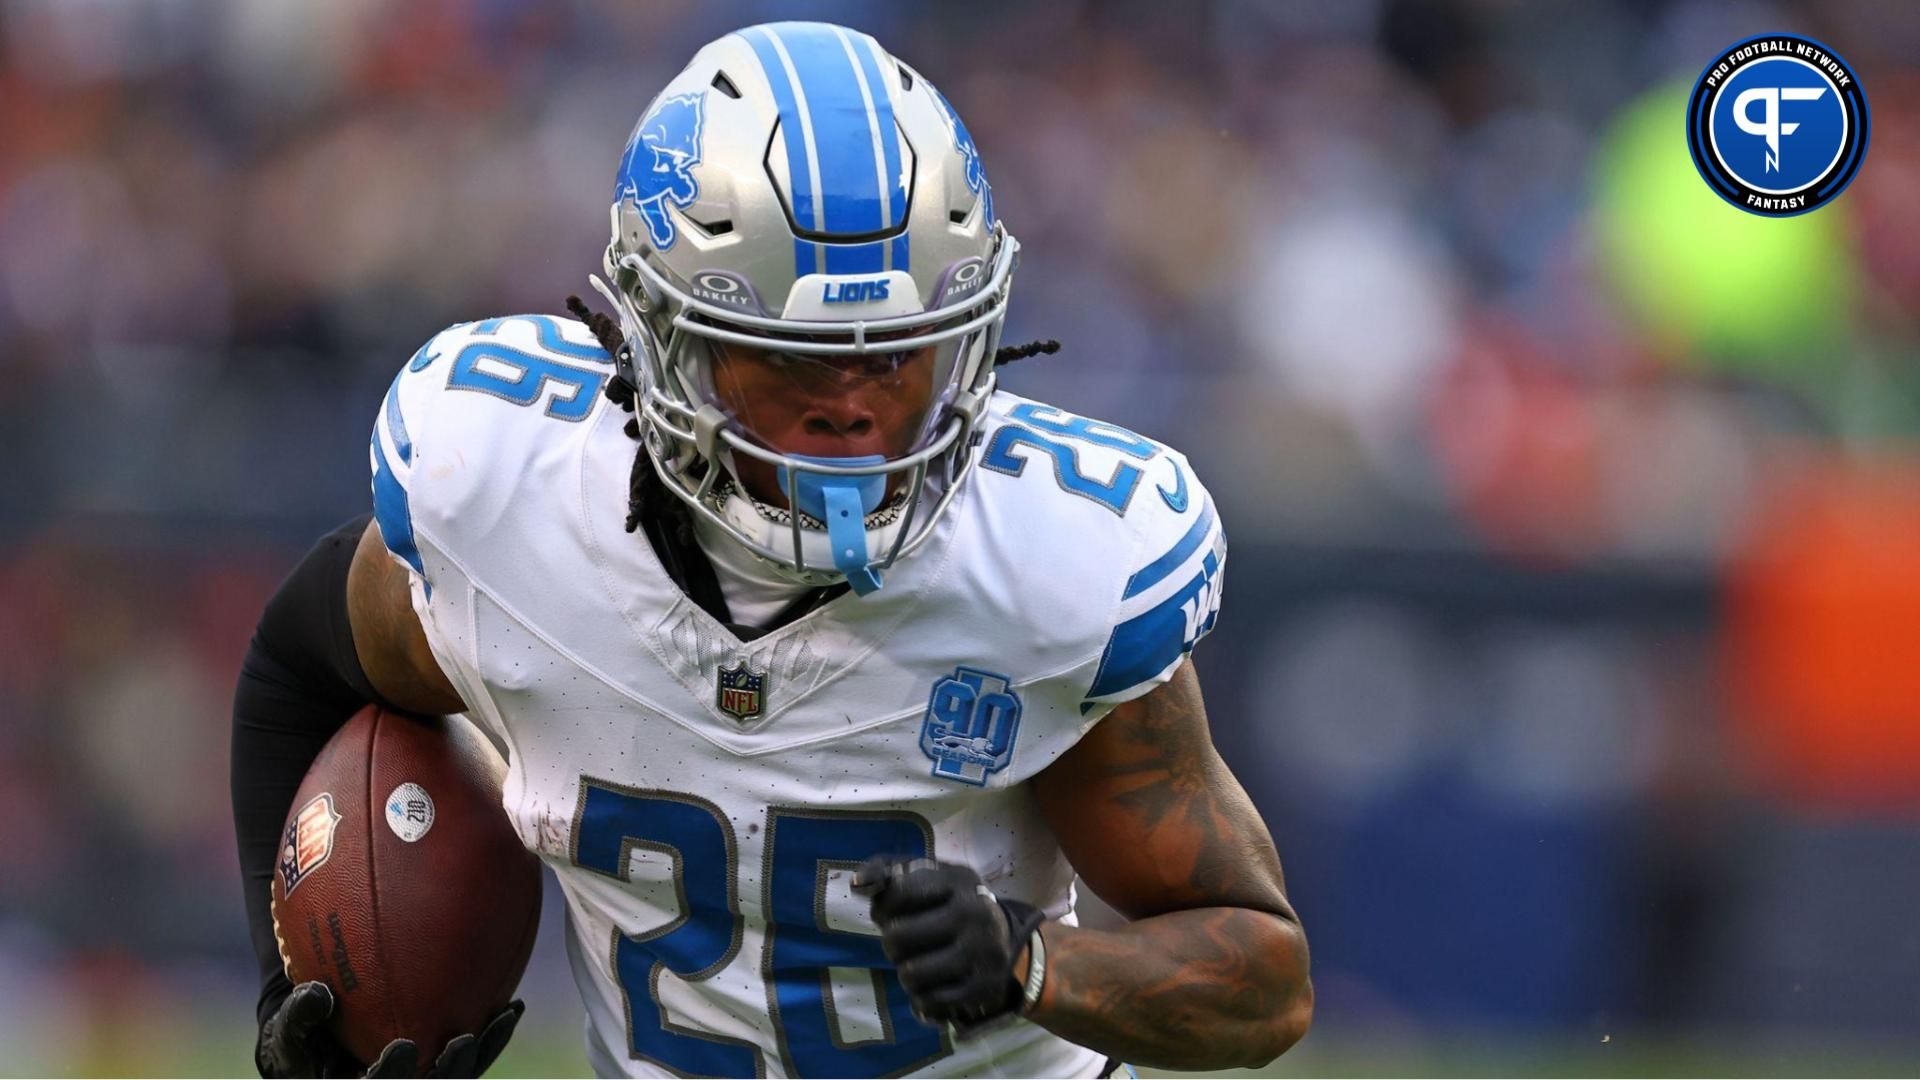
[704,801]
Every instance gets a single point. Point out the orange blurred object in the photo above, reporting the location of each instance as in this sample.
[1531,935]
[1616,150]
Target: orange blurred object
[1823,637]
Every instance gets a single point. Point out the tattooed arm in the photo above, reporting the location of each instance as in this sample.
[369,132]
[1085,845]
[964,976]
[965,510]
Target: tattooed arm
[1212,973]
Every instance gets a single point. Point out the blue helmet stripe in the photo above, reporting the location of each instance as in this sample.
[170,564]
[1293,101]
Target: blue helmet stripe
[856,258]
[893,178]
[889,132]
[841,126]
[802,170]
[876,125]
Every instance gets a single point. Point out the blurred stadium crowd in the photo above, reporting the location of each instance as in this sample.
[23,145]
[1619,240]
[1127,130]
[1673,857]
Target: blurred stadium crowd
[1573,648]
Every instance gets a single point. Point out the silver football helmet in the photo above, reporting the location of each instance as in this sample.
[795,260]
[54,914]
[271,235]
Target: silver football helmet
[798,190]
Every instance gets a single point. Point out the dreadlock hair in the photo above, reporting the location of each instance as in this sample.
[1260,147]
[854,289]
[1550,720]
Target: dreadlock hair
[1007,354]
[644,487]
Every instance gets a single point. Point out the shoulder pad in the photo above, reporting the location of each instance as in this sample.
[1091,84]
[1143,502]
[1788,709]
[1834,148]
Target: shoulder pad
[467,414]
[1116,531]
[1171,596]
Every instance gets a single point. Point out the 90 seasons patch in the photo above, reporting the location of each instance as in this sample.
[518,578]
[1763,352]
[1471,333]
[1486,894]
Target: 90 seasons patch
[308,843]
[972,720]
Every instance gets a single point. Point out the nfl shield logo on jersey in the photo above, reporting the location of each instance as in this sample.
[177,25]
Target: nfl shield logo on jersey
[972,719]
[742,693]
[308,842]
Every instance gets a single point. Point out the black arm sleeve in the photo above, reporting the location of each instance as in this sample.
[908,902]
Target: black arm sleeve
[301,682]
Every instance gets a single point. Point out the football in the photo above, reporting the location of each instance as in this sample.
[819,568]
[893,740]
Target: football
[402,885]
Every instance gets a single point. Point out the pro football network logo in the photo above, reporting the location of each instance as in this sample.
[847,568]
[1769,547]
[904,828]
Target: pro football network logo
[1778,125]
[973,718]
[741,693]
[308,843]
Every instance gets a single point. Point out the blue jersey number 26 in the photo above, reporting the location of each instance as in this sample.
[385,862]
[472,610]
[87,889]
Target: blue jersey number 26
[803,847]
[497,368]
[1043,427]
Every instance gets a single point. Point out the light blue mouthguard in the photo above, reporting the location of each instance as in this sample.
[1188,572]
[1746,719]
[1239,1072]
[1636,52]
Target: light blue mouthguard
[843,502]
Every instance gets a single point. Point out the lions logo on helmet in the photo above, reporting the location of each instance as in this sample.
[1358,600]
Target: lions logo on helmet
[963,142]
[659,161]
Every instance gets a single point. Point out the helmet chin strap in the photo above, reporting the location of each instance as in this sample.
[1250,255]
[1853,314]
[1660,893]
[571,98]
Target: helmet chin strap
[843,503]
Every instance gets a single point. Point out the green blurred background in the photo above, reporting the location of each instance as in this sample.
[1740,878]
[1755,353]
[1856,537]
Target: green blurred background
[1573,648]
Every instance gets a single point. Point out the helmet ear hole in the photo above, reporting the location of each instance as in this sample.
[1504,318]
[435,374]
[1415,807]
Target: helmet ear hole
[646,295]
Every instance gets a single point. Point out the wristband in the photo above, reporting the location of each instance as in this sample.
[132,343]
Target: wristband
[1036,970]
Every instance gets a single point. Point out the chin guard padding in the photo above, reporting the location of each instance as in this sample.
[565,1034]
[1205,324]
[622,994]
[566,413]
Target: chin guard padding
[843,503]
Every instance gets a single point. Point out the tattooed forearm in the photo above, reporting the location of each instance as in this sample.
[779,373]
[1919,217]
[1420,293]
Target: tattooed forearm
[1214,972]
[1212,988]
[1166,785]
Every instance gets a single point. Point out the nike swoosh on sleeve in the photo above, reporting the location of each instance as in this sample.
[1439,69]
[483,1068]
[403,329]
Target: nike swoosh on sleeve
[1177,498]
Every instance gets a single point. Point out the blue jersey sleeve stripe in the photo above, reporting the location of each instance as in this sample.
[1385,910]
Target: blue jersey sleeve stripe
[853,200]
[397,423]
[1146,645]
[1141,648]
[1157,570]
[391,512]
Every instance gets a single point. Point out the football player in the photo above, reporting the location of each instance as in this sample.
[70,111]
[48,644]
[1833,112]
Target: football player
[822,665]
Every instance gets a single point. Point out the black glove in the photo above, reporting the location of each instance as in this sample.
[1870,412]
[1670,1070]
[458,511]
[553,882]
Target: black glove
[471,1055]
[294,1042]
[952,941]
